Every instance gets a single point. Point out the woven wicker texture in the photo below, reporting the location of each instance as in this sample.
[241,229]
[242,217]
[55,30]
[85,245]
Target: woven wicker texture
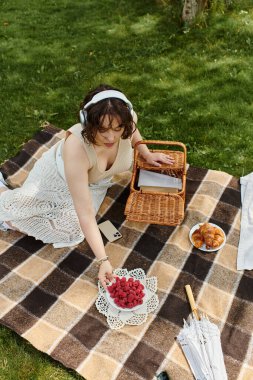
[174,170]
[156,207]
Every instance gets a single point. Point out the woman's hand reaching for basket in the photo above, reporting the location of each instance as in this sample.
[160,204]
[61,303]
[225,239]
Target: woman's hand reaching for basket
[155,158]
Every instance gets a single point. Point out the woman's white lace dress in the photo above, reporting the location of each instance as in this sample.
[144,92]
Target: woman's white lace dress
[43,207]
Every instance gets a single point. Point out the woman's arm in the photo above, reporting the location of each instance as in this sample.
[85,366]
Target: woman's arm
[76,165]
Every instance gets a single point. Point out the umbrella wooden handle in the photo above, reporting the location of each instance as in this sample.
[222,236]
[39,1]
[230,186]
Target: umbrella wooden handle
[192,301]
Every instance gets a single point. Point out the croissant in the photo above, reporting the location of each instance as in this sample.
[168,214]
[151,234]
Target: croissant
[208,233]
[218,238]
[213,236]
[218,232]
[206,228]
[197,239]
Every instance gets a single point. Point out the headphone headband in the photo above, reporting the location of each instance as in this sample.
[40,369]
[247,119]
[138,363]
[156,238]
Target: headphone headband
[108,94]
[101,96]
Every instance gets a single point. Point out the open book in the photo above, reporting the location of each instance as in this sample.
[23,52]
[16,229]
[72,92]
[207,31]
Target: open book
[152,181]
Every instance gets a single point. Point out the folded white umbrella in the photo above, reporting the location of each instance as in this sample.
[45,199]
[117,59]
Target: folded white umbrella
[200,342]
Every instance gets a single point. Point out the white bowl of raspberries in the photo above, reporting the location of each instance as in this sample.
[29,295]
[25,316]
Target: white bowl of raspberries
[126,293]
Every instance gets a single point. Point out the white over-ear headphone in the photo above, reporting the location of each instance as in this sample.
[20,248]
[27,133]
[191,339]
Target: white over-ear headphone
[101,96]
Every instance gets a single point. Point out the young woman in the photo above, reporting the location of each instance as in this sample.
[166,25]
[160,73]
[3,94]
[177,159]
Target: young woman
[59,200]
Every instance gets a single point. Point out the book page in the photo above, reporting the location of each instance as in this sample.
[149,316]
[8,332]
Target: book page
[149,178]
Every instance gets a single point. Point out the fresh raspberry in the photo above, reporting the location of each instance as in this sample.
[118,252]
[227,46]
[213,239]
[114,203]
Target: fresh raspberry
[126,293]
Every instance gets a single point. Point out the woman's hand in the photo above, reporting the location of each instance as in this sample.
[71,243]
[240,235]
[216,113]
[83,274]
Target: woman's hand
[156,159]
[105,274]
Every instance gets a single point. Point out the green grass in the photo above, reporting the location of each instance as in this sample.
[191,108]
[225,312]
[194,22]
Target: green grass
[20,361]
[192,85]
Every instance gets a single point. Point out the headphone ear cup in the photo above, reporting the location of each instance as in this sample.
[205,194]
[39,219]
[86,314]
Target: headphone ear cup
[131,110]
[83,117]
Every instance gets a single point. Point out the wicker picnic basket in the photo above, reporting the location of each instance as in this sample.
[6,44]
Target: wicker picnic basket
[153,207]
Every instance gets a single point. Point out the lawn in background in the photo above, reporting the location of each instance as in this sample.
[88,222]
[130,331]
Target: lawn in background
[187,84]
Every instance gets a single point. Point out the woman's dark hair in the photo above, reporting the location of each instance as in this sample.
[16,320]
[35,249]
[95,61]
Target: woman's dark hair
[112,107]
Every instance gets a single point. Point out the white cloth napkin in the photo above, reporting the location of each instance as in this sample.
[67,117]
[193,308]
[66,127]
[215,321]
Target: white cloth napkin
[245,249]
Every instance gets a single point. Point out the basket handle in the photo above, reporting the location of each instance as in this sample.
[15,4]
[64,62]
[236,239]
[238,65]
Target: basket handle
[161,142]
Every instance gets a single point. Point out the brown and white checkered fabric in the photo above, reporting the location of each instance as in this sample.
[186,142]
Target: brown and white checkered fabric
[48,295]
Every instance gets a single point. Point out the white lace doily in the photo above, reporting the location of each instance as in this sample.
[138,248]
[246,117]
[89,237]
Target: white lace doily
[116,319]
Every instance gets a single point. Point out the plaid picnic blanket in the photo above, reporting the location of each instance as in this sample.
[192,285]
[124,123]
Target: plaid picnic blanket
[48,295]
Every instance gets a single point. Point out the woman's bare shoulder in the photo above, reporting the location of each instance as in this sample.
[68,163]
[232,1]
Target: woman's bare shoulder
[73,149]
